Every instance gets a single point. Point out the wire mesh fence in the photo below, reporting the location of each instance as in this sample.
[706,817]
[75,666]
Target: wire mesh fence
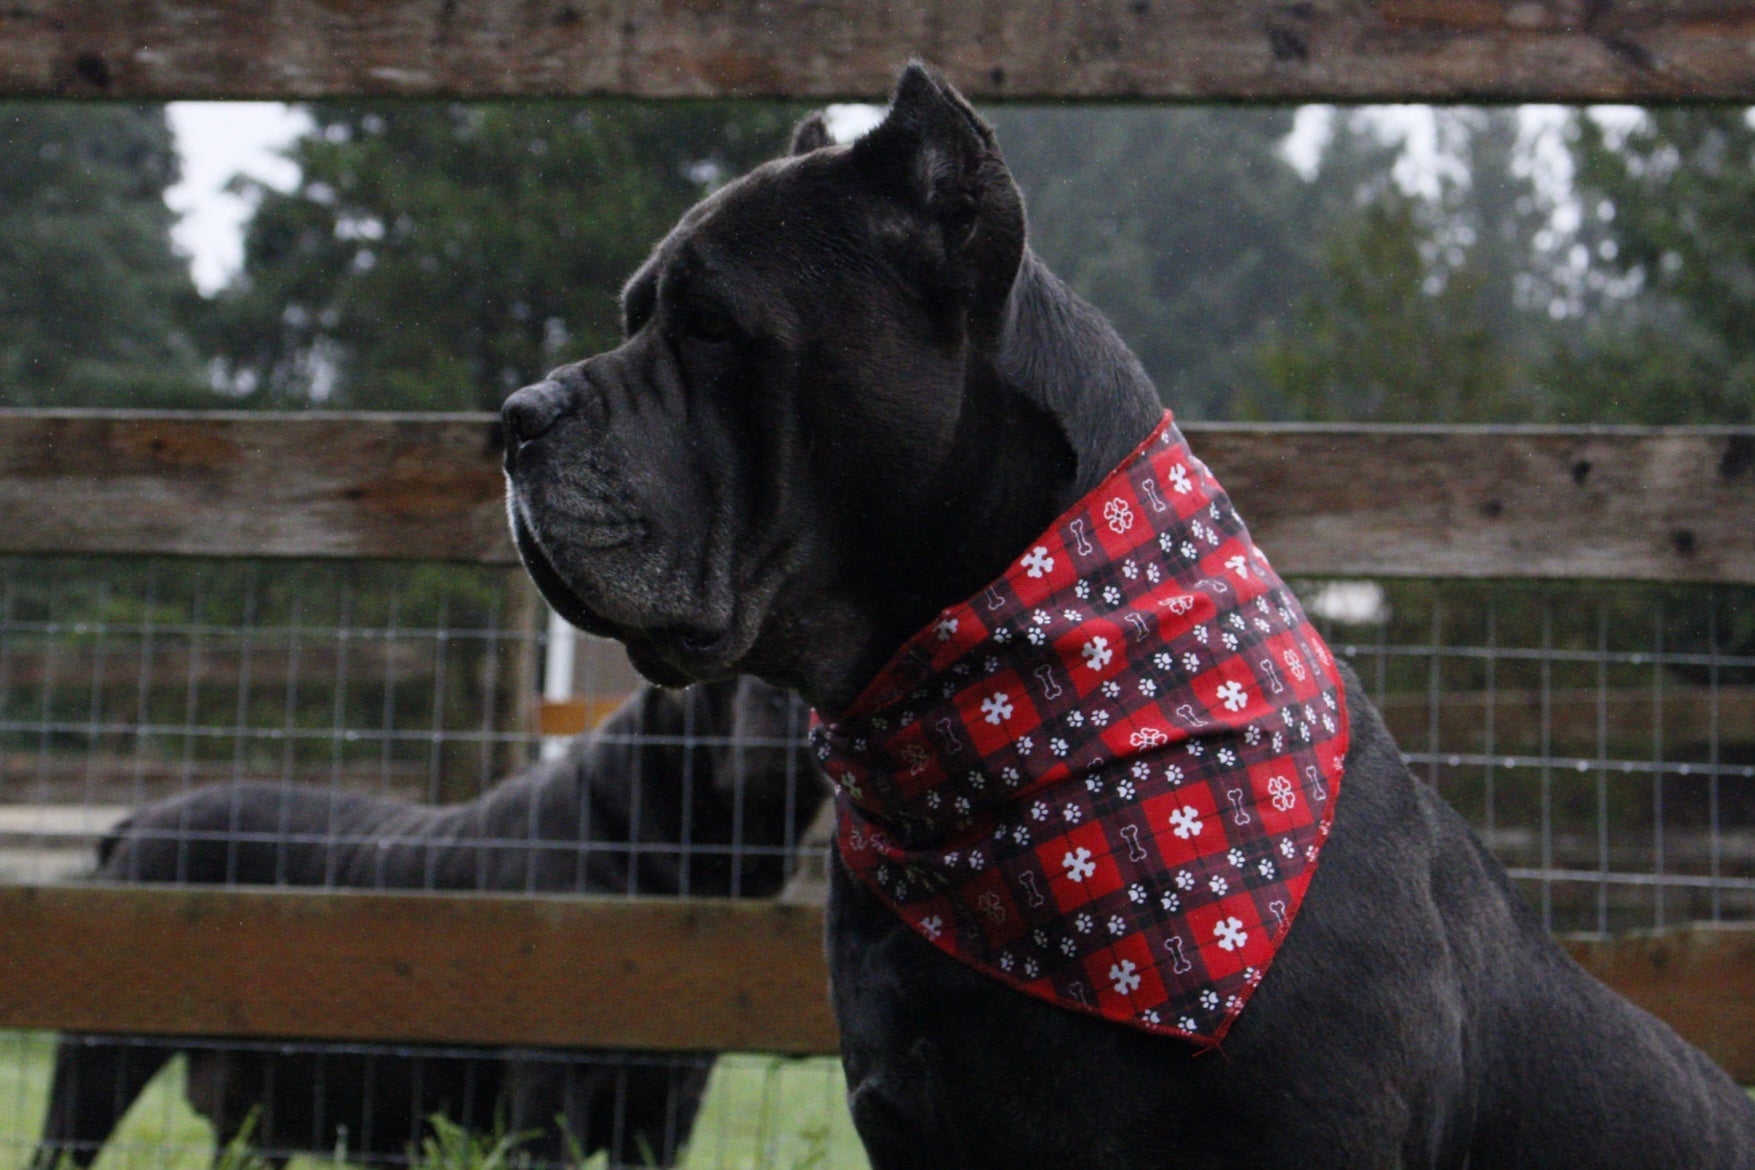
[347,724]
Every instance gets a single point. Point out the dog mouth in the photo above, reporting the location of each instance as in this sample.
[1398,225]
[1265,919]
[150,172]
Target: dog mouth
[668,652]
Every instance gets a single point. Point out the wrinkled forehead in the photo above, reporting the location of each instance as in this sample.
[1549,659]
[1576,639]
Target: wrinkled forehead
[787,218]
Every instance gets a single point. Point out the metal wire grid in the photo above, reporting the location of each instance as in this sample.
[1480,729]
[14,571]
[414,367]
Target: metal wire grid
[1601,738]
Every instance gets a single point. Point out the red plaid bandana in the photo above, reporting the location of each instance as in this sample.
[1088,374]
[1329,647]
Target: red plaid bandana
[1105,780]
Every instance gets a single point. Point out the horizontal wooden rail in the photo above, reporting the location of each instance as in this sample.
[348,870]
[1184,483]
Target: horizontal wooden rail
[1315,50]
[472,969]
[566,972]
[1673,504]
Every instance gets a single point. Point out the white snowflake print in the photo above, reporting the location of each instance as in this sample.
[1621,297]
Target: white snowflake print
[1130,570]
[1026,744]
[1209,999]
[1232,695]
[1280,789]
[1162,660]
[1227,757]
[1184,880]
[1265,867]
[1118,514]
[1185,822]
[1078,863]
[1148,688]
[1082,590]
[1111,595]
[1075,718]
[1287,849]
[1068,947]
[1154,574]
[1218,885]
[1037,562]
[1173,774]
[1097,653]
[1230,934]
[946,629]
[997,708]
[1058,746]
[1041,617]
[1236,858]
[1179,482]
[1099,718]
[1071,814]
[1125,790]
[1191,662]
[1122,977]
[1117,925]
[1084,922]
[1039,810]
[1229,639]
[1136,893]
[1111,689]
[933,926]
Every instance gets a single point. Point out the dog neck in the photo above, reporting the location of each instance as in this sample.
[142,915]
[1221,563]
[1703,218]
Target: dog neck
[1105,778]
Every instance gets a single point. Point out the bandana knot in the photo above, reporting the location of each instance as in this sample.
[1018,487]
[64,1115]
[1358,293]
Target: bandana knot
[1106,779]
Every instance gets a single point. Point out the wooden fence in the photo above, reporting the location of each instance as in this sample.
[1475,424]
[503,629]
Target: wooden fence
[1593,503]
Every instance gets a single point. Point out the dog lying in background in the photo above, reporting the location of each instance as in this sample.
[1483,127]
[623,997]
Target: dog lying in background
[702,792]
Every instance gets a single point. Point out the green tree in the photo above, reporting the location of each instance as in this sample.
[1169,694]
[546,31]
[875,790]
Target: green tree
[1429,308]
[1668,329]
[1187,226]
[93,297]
[438,256]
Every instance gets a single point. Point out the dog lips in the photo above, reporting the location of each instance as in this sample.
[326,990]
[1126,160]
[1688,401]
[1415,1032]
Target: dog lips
[1106,779]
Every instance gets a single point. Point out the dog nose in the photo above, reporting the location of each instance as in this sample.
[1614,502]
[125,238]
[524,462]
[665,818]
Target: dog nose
[530,412]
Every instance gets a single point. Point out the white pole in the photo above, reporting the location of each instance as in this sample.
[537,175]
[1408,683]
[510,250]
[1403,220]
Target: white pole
[557,675]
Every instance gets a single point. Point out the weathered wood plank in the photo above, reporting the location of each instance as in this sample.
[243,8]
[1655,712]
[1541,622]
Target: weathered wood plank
[312,485]
[1606,504]
[492,969]
[1318,50]
[484,969]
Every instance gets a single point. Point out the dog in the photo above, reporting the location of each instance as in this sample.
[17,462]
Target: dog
[702,792]
[852,414]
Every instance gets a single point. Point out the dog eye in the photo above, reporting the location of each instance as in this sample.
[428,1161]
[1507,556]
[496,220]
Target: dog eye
[711,325]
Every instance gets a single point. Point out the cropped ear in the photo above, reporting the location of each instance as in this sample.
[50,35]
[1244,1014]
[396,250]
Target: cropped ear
[811,134]
[933,152]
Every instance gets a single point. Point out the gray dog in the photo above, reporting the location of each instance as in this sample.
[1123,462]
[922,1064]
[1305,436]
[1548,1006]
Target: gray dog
[699,792]
[856,439]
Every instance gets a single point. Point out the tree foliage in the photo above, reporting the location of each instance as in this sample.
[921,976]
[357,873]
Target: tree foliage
[438,256]
[93,297]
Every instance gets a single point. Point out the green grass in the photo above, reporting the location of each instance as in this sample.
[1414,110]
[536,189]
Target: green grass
[760,1112]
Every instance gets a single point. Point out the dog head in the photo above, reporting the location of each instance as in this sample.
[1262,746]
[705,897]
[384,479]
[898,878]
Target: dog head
[820,425]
